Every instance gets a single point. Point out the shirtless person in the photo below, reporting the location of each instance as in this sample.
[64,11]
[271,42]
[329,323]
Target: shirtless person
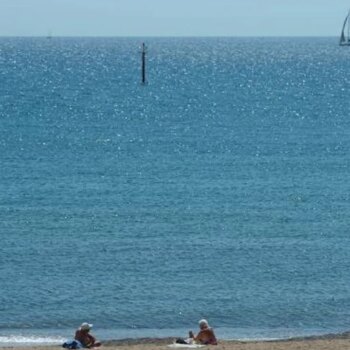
[83,336]
[206,334]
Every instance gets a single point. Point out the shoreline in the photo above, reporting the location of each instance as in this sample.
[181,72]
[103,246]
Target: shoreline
[339,341]
[309,344]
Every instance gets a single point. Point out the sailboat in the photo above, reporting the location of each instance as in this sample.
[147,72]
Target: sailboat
[345,32]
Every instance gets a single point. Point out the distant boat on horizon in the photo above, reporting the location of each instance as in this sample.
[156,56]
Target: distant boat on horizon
[345,32]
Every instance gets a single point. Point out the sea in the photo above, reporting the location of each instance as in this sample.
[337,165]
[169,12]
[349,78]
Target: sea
[219,189]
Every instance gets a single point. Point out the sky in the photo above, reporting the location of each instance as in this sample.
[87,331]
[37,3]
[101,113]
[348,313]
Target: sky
[172,17]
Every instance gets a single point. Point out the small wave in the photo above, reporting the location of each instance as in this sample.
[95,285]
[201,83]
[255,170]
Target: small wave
[29,340]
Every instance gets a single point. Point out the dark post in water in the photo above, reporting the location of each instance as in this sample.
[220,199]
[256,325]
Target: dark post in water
[143,53]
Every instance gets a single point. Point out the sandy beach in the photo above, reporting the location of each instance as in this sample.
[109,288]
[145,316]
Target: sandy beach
[328,342]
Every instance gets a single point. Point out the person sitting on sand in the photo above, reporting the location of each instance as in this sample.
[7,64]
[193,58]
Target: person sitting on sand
[205,336]
[83,336]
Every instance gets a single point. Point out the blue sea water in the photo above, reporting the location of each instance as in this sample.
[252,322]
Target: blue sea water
[219,190]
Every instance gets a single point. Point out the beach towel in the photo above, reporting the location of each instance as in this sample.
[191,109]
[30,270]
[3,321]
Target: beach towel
[188,346]
[72,344]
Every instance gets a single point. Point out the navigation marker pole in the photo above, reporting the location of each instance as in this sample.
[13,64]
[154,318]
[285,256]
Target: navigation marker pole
[143,55]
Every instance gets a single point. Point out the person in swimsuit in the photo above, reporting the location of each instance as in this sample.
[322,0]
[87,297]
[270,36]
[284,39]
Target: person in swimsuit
[83,336]
[205,336]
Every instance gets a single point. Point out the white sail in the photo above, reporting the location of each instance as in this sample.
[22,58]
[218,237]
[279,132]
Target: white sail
[344,36]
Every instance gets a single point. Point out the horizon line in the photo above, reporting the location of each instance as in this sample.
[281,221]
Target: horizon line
[167,36]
